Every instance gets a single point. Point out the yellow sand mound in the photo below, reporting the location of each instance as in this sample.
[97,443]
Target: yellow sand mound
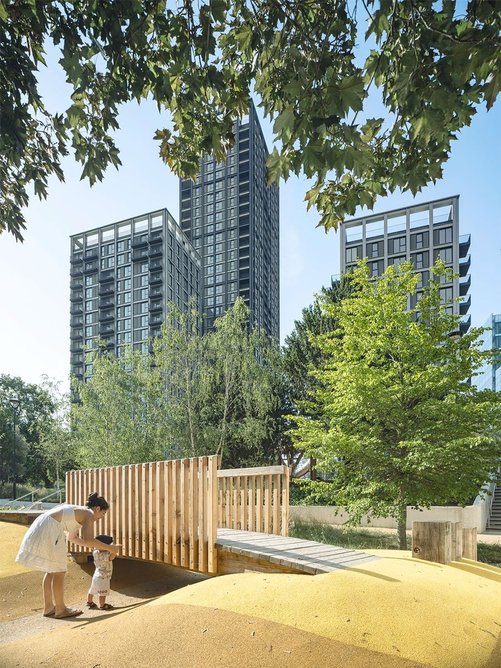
[393,612]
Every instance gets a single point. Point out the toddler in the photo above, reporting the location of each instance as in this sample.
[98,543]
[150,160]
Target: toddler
[100,585]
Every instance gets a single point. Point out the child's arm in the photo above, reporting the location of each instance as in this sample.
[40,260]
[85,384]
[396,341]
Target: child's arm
[112,556]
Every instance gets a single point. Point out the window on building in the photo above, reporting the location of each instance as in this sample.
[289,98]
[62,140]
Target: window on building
[397,245]
[446,295]
[443,236]
[444,254]
[353,253]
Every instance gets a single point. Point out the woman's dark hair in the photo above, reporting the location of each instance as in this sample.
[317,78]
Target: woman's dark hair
[96,501]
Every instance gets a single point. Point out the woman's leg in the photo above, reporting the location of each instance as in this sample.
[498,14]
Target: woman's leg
[48,601]
[58,592]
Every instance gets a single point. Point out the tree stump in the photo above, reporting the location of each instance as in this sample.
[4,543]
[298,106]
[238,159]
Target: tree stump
[470,543]
[432,541]
[457,540]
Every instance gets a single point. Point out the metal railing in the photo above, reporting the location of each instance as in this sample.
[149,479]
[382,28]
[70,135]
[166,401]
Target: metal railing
[14,503]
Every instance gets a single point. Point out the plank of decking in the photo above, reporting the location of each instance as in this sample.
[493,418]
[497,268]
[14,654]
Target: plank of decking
[304,555]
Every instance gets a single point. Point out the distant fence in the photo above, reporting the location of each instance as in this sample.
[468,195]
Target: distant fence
[161,511]
[254,499]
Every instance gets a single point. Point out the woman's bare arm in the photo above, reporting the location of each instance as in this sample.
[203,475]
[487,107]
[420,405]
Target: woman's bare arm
[87,537]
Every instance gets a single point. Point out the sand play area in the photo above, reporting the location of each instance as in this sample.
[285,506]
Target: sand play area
[393,612]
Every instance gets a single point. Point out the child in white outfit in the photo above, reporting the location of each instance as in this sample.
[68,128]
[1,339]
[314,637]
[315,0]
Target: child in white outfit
[100,585]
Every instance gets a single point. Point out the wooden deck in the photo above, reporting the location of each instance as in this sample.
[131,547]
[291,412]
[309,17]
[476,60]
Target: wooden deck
[240,551]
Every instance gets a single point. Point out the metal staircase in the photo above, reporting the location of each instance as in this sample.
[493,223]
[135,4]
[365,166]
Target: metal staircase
[494,521]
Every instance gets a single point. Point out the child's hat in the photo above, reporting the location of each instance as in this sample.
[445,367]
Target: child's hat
[108,540]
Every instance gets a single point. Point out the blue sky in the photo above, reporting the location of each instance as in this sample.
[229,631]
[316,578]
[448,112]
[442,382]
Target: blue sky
[34,276]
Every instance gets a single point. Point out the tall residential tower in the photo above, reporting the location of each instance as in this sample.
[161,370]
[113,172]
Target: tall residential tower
[122,277]
[231,215]
[420,233]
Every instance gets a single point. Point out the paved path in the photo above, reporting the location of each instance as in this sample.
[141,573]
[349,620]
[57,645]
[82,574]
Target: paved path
[303,555]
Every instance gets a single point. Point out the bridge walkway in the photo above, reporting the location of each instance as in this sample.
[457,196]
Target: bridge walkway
[239,551]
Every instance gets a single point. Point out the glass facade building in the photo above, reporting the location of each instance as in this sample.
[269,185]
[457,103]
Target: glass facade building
[420,233]
[489,377]
[231,215]
[122,277]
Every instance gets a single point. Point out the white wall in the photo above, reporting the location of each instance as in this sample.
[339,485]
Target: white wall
[472,516]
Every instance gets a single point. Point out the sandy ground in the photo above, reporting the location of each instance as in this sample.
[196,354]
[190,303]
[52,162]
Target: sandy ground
[393,612]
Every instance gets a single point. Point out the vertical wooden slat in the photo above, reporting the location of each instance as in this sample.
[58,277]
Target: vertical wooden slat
[131,501]
[112,500]
[183,508]
[124,520]
[168,513]
[267,504]
[137,511]
[276,503]
[259,504]
[227,496]
[252,504]
[152,522]
[212,515]
[192,513]
[175,516]
[202,511]
[144,510]
[285,503]
[102,489]
[159,510]
[243,503]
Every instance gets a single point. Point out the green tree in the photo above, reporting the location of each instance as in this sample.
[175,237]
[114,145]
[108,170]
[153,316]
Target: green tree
[301,354]
[243,374]
[180,364]
[312,65]
[119,418]
[36,408]
[221,388]
[191,396]
[300,350]
[56,443]
[395,418]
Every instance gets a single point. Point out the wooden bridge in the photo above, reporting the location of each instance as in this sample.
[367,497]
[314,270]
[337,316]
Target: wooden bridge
[187,513]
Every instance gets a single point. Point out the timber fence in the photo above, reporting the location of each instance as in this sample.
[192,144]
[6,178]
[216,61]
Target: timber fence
[161,511]
[254,499]
[170,511]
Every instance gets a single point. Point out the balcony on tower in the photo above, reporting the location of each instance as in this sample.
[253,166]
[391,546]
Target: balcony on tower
[464,265]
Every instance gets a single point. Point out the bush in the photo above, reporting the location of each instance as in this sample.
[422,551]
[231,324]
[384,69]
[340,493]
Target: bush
[311,493]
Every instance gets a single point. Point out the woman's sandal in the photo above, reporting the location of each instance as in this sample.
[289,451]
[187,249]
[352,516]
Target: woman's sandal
[49,614]
[91,606]
[106,606]
[69,612]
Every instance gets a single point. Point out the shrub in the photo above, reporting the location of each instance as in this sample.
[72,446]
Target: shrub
[311,493]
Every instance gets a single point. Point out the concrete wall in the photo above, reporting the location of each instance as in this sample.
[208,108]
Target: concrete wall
[472,516]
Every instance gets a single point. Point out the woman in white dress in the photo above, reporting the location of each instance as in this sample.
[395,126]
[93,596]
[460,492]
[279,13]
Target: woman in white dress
[44,547]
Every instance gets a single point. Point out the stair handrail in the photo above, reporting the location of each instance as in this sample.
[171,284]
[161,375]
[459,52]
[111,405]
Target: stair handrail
[59,492]
[32,494]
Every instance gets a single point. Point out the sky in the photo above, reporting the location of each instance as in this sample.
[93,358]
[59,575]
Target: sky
[34,275]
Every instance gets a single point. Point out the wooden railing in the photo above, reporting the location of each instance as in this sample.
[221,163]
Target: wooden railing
[162,511]
[254,499]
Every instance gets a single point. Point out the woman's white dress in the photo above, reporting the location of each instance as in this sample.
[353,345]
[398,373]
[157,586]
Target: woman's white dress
[44,544]
[100,585]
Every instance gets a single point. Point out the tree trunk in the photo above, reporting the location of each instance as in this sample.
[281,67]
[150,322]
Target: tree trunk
[402,526]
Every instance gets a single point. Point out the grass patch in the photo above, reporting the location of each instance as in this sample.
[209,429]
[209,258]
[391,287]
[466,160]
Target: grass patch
[351,537]
[489,554]
[362,539]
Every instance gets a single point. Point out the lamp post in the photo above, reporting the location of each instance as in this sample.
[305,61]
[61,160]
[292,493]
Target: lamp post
[14,402]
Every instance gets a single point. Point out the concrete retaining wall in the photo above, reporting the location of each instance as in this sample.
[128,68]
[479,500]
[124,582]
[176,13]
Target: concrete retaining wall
[472,516]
